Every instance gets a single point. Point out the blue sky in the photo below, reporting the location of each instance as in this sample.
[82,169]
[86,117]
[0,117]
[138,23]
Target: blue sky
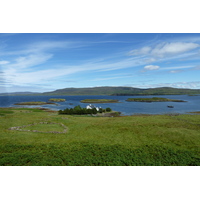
[46,62]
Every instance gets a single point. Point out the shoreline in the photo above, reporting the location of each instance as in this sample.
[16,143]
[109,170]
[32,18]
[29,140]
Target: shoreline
[112,113]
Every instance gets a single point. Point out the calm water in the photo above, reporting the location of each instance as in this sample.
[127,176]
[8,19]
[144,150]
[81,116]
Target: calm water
[126,108]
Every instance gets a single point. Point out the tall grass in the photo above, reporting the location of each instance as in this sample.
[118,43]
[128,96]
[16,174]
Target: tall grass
[157,140]
[86,154]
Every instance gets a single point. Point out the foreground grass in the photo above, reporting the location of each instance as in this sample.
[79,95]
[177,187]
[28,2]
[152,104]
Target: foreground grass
[131,140]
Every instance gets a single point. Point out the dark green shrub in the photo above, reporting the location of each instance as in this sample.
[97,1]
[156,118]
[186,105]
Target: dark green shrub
[108,109]
[77,110]
[100,110]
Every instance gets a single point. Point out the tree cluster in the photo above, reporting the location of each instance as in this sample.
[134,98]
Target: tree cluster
[77,110]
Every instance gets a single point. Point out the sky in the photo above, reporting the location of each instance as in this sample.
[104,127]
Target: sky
[41,62]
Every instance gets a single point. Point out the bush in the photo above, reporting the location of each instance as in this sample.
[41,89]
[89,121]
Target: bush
[100,110]
[108,109]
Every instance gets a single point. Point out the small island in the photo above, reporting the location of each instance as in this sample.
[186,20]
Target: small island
[57,100]
[99,101]
[154,99]
[33,103]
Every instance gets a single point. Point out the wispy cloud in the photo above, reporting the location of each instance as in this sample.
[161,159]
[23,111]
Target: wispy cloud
[189,84]
[176,71]
[4,62]
[165,49]
[25,62]
[176,67]
[112,77]
[40,47]
[150,68]
[51,62]
[196,67]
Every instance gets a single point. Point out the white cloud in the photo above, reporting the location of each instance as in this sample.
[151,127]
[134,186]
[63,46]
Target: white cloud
[151,67]
[142,51]
[173,48]
[112,77]
[24,71]
[41,47]
[189,84]
[165,49]
[24,68]
[55,45]
[175,71]
[150,60]
[4,62]
[31,60]
[196,68]
[176,67]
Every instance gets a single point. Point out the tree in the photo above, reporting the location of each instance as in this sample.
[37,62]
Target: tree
[94,111]
[108,109]
[77,110]
[60,112]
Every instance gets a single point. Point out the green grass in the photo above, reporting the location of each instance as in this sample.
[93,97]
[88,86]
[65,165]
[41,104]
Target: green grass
[44,127]
[4,111]
[158,140]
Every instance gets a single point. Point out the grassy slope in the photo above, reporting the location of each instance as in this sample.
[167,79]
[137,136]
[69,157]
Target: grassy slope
[130,140]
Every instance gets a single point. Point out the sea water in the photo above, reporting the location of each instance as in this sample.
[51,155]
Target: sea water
[126,108]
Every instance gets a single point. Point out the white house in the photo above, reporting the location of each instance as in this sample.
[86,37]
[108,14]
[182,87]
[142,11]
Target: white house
[90,106]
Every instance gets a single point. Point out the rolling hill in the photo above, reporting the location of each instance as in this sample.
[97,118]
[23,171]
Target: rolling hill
[123,91]
[113,91]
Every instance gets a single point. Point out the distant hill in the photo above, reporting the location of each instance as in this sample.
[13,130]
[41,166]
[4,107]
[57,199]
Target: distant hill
[123,91]
[19,93]
[94,91]
[113,91]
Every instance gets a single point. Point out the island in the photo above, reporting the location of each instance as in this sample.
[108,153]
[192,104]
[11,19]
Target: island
[34,103]
[99,101]
[154,99]
[57,100]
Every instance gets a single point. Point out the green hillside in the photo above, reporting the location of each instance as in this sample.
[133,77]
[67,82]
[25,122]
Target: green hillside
[113,91]
[35,137]
[123,91]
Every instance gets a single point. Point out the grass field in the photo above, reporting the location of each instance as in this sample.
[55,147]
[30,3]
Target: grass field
[158,140]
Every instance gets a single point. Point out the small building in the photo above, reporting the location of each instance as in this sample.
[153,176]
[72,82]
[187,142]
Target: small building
[90,106]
